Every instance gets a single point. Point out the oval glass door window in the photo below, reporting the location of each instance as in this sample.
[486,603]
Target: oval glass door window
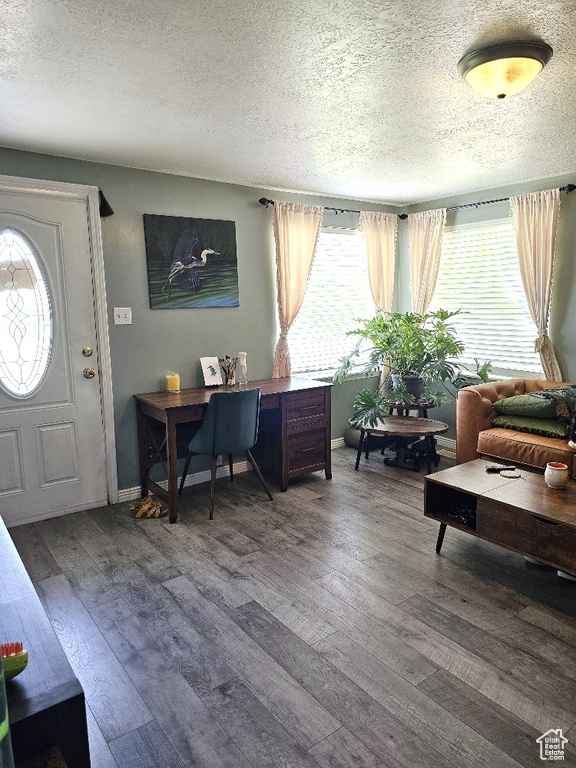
[26,322]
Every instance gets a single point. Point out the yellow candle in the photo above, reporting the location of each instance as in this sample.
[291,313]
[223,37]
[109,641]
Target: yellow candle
[172,382]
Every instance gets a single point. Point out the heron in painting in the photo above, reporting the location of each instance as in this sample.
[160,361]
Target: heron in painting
[186,259]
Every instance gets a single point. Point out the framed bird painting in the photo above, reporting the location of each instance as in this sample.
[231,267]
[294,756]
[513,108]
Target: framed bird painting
[191,262]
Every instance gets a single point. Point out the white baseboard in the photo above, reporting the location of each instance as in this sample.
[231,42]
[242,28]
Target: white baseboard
[194,478]
[129,494]
[58,513]
[445,442]
[447,445]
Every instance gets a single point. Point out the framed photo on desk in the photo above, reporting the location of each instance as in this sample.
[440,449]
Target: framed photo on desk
[211,371]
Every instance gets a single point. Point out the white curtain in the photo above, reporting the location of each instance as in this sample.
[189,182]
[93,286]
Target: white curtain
[425,231]
[296,229]
[535,218]
[379,231]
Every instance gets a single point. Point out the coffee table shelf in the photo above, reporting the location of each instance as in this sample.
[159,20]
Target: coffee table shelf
[521,514]
[452,505]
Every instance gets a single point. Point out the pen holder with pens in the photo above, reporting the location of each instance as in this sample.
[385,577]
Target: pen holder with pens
[228,365]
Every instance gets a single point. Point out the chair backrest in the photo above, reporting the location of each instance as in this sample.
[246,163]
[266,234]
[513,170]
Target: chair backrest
[230,424]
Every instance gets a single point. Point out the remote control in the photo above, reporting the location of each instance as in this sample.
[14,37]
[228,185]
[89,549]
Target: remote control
[499,467]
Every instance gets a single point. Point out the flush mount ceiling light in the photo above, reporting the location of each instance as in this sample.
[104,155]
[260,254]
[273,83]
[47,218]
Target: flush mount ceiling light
[502,69]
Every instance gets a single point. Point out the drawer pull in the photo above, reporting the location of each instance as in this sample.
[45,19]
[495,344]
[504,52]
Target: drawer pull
[544,520]
[307,408]
[307,450]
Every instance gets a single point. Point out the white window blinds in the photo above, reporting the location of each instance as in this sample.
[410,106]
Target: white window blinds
[479,274]
[336,295]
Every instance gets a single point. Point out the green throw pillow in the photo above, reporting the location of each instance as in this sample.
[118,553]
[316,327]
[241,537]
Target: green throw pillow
[536,426]
[527,405]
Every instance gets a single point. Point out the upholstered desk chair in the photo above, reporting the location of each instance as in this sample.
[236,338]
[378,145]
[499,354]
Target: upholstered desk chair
[230,426]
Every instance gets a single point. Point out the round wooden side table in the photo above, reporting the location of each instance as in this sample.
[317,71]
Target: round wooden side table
[405,426]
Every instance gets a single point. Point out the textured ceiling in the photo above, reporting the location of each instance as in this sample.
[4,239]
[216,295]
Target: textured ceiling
[356,98]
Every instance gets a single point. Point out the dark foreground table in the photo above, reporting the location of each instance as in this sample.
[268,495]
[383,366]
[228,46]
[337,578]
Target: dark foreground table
[46,701]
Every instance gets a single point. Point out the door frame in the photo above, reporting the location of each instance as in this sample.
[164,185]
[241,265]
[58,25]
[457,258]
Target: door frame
[90,195]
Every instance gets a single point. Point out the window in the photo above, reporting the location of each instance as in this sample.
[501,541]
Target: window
[337,294]
[25,316]
[479,273]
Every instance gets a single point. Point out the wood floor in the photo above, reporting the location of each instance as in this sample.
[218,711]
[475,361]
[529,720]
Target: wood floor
[320,629]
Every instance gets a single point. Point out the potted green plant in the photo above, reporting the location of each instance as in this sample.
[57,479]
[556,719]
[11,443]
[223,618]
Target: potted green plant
[417,351]
[481,374]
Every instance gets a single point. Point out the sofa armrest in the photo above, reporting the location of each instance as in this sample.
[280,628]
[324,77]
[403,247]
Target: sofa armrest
[473,414]
[474,411]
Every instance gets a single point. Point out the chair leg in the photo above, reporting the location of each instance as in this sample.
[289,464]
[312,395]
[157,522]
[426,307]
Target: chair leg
[258,474]
[231,465]
[213,485]
[185,472]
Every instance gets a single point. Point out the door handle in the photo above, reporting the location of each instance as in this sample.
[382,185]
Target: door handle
[89,373]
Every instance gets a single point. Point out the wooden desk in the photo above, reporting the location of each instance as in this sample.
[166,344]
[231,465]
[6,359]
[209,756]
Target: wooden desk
[293,439]
[46,701]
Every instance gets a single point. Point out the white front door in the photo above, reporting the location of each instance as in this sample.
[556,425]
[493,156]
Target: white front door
[52,438]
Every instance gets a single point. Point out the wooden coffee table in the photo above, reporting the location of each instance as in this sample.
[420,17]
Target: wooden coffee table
[522,514]
[405,426]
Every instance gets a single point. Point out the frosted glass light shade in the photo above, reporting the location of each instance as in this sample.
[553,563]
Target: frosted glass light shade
[503,77]
[504,69]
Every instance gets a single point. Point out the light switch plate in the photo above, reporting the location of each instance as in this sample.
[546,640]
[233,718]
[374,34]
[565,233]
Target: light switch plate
[122,315]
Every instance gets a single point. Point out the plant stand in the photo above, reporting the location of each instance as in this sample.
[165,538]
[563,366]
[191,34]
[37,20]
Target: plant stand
[405,428]
[410,454]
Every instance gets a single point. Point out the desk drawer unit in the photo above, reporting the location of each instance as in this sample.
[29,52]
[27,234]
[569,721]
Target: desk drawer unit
[306,428]
[307,448]
[305,405]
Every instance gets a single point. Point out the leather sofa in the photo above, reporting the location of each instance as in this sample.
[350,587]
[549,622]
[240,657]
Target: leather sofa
[475,435]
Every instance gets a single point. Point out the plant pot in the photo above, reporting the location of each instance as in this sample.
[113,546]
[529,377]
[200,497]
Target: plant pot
[396,379]
[414,386]
[352,437]
[556,474]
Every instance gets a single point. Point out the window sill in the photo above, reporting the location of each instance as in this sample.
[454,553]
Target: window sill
[503,374]
[329,375]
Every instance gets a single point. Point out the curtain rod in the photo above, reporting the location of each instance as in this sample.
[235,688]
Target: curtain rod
[265,201]
[568,188]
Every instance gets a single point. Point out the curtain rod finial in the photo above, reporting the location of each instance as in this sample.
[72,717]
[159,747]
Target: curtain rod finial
[105,207]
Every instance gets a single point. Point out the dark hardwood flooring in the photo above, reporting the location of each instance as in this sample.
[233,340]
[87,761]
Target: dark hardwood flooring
[320,629]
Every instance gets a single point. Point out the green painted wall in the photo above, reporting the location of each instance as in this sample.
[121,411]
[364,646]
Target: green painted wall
[175,339]
[563,306]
